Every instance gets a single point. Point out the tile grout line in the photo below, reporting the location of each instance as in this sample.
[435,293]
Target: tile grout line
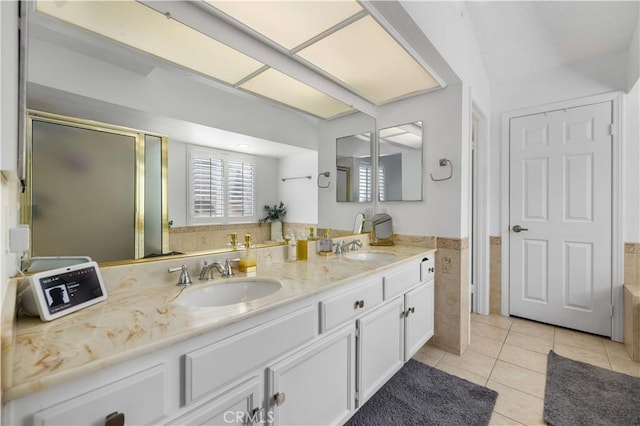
[499,352]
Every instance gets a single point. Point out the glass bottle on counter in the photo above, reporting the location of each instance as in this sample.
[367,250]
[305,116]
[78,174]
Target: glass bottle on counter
[302,246]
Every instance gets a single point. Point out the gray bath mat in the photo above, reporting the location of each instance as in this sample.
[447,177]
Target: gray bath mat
[422,395]
[583,394]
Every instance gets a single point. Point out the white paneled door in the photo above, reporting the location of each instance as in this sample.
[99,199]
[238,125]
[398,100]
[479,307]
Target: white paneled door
[560,217]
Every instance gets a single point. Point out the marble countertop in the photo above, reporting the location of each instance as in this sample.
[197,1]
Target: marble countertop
[140,316]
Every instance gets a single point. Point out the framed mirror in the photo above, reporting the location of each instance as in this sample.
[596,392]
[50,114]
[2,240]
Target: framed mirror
[354,168]
[400,162]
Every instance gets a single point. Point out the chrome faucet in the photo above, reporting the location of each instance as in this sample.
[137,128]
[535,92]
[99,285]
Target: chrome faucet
[354,245]
[184,279]
[224,269]
[346,247]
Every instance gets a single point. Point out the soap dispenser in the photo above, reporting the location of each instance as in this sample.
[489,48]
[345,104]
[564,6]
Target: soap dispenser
[248,262]
[291,247]
[326,244]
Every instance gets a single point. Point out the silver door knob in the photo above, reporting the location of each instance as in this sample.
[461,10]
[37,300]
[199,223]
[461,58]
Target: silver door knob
[518,228]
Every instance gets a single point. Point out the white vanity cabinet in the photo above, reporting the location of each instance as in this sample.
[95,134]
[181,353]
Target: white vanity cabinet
[240,404]
[313,362]
[380,347]
[390,335]
[419,310]
[119,398]
[316,385]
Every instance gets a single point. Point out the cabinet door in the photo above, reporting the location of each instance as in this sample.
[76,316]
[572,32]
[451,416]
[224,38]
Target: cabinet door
[237,405]
[418,318]
[380,347]
[315,386]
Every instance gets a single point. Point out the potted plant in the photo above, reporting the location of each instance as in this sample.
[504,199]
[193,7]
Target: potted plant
[274,215]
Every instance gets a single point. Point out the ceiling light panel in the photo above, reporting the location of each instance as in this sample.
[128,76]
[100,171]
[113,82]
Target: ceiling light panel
[289,23]
[365,57]
[275,85]
[138,26]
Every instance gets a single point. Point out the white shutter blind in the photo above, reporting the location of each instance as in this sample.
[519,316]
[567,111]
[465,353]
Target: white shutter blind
[240,183]
[207,175]
[380,183]
[364,182]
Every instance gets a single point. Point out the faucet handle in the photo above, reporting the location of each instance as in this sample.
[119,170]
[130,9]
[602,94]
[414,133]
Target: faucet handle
[184,279]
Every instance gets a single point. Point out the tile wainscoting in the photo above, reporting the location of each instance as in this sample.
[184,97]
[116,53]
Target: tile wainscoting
[632,300]
[188,239]
[452,294]
[495,275]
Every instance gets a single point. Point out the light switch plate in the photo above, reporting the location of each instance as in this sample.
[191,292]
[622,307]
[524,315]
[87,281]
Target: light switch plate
[19,239]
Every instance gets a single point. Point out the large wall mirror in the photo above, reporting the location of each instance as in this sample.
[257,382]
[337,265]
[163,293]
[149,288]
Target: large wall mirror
[400,163]
[74,72]
[354,168]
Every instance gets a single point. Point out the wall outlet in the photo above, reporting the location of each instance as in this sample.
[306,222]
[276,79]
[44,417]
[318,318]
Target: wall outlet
[446,265]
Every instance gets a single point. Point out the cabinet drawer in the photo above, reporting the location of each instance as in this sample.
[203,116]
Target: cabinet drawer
[213,366]
[342,307]
[124,396]
[397,282]
[427,268]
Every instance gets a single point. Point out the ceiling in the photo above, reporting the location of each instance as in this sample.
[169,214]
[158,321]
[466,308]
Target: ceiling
[521,38]
[337,40]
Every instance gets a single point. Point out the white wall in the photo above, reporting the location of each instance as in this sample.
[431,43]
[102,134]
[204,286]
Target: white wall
[585,78]
[633,69]
[299,195]
[631,152]
[440,212]
[9,213]
[448,27]
[266,188]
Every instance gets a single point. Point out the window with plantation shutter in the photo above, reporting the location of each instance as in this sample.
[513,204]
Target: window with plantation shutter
[380,182]
[364,182]
[239,189]
[221,187]
[207,186]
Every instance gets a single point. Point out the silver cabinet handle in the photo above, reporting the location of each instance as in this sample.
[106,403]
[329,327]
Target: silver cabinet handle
[279,398]
[114,419]
[358,304]
[518,228]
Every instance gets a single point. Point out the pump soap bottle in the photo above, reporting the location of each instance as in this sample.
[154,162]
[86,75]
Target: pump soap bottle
[248,262]
[326,244]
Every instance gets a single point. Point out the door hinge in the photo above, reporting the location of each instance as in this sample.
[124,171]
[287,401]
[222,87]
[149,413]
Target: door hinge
[357,333]
[357,396]
[611,311]
[611,130]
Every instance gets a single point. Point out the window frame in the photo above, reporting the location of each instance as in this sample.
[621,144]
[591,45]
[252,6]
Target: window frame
[225,157]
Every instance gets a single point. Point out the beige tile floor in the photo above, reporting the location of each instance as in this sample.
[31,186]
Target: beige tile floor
[509,355]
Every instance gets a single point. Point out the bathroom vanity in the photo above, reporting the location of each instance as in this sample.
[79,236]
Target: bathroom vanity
[313,352]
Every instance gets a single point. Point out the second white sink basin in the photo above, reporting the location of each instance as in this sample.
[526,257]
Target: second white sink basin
[381,256]
[230,292]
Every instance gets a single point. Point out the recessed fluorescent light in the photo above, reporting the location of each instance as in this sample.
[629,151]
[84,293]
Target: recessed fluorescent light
[366,58]
[141,27]
[280,87]
[289,23]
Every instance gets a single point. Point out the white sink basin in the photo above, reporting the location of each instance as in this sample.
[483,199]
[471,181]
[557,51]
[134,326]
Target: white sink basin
[380,256]
[230,292]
